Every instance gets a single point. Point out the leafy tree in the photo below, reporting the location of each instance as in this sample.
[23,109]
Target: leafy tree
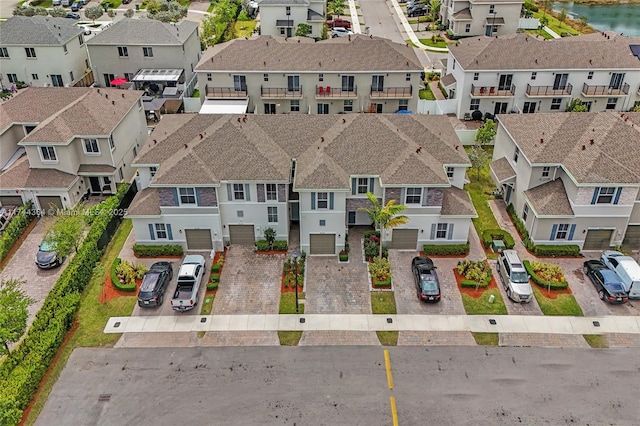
[209,30]
[636,108]
[169,12]
[479,158]
[128,13]
[303,30]
[562,16]
[24,11]
[93,13]
[384,217]
[575,105]
[270,236]
[40,11]
[583,22]
[58,12]
[65,232]
[544,21]
[111,13]
[154,6]
[226,11]
[14,304]
[486,132]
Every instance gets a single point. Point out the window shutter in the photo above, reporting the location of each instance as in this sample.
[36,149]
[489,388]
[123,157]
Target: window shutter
[371,185]
[617,197]
[282,193]
[169,233]
[152,234]
[571,231]
[313,201]
[424,196]
[554,228]
[229,194]
[260,192]
[450,233]
[198,198]
[595,195]
[247,192]
[354,186]
[176,198]
[433,231]
[331,201]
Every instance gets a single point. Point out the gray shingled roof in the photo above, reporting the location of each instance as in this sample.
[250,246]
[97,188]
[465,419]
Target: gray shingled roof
[148,32]
[549,199]
[206,149]
[145,203]
[269,53]
[456,202]
[37,30]
[20,176]
[464,14]
[566,138]
[502,169]
[524,51]
[282,2]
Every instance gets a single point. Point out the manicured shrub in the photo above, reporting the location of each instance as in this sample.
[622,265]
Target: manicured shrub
[497,234]
[214,278]
[263,245]
[383,283]
[474,284]
[216,267]
[123,275]
[212,285]
[142,250]
[380,269]
[14,230]
[544,250]
[280,245]
[475,273]
[446,249]
[343,256]
[369,233]
[536,269]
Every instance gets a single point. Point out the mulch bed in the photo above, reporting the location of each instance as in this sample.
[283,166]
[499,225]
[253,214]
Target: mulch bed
[291,288]
[18,243]
[471,291]
[443,256]
[380,287]
[157,257]
[553,294]
[109,291]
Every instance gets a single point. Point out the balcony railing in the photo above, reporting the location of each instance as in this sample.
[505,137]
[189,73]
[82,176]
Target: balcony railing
[391,92]
[493,91]
[553,91]
[323,92]
[225,92]
[280,92]
[604,90]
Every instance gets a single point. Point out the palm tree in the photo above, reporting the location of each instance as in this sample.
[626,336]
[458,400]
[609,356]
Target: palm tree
[435,9]
[384,217]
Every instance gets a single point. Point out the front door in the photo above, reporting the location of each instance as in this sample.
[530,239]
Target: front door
[293,83]
[351,218]
[289,32]
[269,108]
[240,83]
[507,195]
[560,82]
[377,83]
[529,107]
[95,184]
[500,108]
[488,30]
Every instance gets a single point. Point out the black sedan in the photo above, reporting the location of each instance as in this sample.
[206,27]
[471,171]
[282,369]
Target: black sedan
[154,284]
[426,279]
[47,257]
[606,282]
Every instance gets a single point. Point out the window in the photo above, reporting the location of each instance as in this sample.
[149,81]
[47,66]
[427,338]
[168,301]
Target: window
[48,153]
[467,28]
[187,195]
[281,31]
[265,77]
[123,51]
[403,104]
[453,65]
[441,230]
[295,105]
[450,171]
[363,186]
[492,8]
[475,105]
[605,195]
[323,108]
[30,51]
[590,75]
[238,191]
[64,48]
[56,80]
[525,212]
[147,52]
[129,76]
[408,77]
[272,214]
[71,76]
[13,78]
[322,222]
[348,106]
[135,152]
[534,74]
[209,77]
[121,173]
[272,192]
[288,10]
[240,214]
[34,76]
[476,76]
[555,103]
[4,53]
[161,231]
[153,171]
[80,39]
[112,144]
[561,233]
[611,103]
[516,154]
[413,196]
[91,146]
[323,200]
[321,77]
[546,170]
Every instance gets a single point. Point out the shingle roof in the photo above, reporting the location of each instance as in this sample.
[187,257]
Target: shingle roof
[502,169]
[37,30]
[145,203]
[148,32]
[456,202]
[206,149]
[20,176]
[268,53]
[549,199]
[525,52]
[96,168]
[65,112]
[282,2]
[464,14]
[593,147]
[447,80]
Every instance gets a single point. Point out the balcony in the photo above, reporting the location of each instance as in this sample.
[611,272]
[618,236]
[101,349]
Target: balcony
[280,92]
[225,93]
[550,91]
[604,90]
[391,92]
[328,92]
[493,91]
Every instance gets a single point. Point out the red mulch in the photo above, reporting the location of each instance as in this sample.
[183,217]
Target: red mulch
[471,291]
[109,291]
[380,287]
[291,288]
[553,294]
[17,244]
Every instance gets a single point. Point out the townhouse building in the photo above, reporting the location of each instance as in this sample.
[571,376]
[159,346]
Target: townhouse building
[147,52]
[42,51]
[60,144]
[572,177]
[521,73]
[273,75]
[481,17]
[282,17]
[209,180]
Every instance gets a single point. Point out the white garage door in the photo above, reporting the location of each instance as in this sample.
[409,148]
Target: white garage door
[13,201]
[404,239]
[48,203]
[242,234]
[322,244]
[597,239]
[198,239]
[632,237]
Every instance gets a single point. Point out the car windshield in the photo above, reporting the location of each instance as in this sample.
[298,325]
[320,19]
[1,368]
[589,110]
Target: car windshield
[519,277]
[45,246]
[428,285]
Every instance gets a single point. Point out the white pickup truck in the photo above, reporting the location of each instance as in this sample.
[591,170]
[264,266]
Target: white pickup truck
[190,275]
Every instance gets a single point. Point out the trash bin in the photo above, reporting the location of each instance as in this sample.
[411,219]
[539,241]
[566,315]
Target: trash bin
[137,6]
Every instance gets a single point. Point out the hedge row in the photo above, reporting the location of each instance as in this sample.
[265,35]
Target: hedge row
[446,249]
[116,281]
[22,371]
[384,283]
[542,283]
[15,229]
[278,245]
[142,250]
[497,234]
[474,284]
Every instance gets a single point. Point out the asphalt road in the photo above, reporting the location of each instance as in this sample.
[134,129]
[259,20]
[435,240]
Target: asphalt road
[346,386]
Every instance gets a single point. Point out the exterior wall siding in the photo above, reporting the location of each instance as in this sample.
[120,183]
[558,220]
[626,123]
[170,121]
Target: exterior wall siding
[166,197]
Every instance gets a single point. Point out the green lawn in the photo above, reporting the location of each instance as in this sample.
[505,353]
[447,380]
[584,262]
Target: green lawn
[289,338]
[207,304]
[245,28]
[114,4]
[92,317]
[383,302]
[541,32]
[555,25]
[564,304]
[486,339]
[427,94]
[478,189]
[431,43]
[288,303]
[388,338]
[481,305]
[597,341]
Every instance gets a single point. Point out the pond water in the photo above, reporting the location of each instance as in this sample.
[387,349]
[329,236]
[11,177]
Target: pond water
[621,18]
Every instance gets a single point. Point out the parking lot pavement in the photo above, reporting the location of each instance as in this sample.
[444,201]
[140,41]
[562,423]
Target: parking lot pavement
[407,301]
[250,283]
[514,308]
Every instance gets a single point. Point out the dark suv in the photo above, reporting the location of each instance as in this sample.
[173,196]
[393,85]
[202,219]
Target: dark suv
[154,284]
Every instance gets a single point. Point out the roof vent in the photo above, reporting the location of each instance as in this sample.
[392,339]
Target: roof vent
[113,102]
[418,150]
[591,142]
[186,146]
[584,147]
[536,60]
[106,95]
[319,64]
[123,95]
[321,138]
[267,43]
[201,136]
[541,140]
[344,121]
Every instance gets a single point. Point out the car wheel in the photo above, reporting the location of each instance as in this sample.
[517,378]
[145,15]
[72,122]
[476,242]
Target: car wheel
[601,294]
[160,299]
[585,270]
[509,293]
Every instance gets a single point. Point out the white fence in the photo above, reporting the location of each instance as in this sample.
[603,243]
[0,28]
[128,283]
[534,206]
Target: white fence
[447,106]
[192,104]
[529,23]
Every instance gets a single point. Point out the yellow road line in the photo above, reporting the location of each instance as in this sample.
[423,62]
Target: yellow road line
[387,364]
[394,412]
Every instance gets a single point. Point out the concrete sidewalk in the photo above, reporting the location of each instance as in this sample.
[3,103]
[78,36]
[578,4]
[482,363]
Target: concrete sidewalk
[371,322]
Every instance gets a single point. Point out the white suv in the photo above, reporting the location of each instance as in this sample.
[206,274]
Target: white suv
[340,32]
[514,277]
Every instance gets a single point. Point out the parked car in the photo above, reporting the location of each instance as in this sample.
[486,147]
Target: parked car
[338,23]
[426,279]
[76,6]
[154,284]
[47,258]
[514,277]
[340,32]
[418,10]
[190,276]
[56,2]
[87,30]
[67,3]
[84,2]
[73,15]
[606,282]
[627,270]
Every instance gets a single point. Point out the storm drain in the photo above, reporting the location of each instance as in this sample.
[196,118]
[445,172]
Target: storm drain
[104,397]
